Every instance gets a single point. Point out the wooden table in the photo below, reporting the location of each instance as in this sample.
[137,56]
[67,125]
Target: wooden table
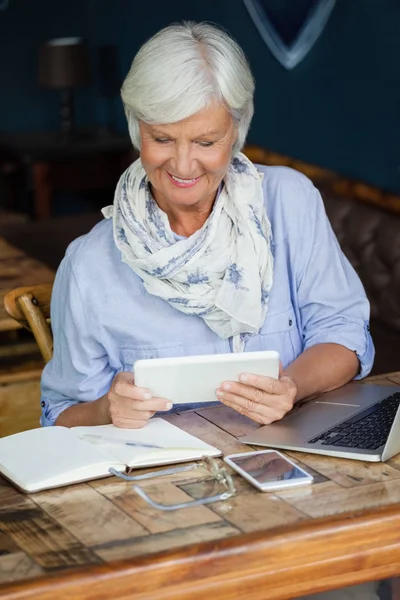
[99,540]
[18,269]
[88,160]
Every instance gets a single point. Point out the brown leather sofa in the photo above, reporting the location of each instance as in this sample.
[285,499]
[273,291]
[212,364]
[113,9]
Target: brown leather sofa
[366,221]
[370,238]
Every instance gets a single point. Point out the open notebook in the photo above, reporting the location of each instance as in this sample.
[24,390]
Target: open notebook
[55,456]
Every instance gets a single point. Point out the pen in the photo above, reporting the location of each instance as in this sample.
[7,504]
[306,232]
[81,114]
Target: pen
[97,439]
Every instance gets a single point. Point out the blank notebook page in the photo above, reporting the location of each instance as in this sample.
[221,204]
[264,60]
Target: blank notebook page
[33,457]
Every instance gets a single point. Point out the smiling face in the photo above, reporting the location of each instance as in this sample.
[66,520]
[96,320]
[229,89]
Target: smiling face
[186,161]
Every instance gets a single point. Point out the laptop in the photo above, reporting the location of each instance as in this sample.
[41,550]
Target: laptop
[356,421]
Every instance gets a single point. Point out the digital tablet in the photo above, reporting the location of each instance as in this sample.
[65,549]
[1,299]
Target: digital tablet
[190,379]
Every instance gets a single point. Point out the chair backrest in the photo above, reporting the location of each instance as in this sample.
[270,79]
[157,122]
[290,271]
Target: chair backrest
[30,306]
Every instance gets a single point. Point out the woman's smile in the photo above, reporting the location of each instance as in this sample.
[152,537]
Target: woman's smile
[181,182]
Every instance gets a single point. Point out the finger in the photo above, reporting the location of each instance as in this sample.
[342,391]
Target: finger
[263,417]
[280,405]
[270,385]
[143,415]
[155,405]
[257,395]
[245,406]
[129,423]
[132,405]
[126,388]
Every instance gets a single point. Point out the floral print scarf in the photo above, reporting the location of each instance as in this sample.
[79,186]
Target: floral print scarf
[223,272]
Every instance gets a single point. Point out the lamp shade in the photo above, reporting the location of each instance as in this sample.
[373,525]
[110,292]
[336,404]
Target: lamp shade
[63,62]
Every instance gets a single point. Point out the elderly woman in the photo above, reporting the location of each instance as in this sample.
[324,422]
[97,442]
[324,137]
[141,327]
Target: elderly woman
[202,252]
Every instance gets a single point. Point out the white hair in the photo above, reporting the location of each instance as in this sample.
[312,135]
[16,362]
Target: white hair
[182,69]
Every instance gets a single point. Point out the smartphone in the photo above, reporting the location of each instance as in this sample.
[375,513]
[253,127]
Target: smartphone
[194,379]
[268,470]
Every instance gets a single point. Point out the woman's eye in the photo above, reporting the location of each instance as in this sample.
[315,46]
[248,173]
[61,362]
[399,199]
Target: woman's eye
[162,140]
[206,144]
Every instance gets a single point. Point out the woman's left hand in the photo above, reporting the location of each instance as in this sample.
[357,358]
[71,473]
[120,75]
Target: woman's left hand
[262,399]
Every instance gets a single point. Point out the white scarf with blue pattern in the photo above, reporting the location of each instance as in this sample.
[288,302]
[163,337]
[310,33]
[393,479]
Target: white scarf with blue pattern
[223,272]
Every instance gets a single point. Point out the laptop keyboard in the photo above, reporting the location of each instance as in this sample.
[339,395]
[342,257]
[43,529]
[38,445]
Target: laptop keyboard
[368,429]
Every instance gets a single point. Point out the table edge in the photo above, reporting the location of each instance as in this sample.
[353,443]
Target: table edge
[247,563]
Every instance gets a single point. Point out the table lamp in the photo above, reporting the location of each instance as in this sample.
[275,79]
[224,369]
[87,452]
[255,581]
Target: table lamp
[63,65]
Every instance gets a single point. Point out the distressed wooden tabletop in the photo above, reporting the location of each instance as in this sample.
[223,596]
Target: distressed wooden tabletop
[99,540]
[18,269]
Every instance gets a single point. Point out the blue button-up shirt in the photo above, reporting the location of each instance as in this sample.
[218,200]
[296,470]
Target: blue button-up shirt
[103,319]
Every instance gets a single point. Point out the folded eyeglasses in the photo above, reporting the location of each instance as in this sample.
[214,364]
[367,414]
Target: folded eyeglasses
[218,473]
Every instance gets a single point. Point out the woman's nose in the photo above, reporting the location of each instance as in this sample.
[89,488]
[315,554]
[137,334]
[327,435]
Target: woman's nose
[183,161]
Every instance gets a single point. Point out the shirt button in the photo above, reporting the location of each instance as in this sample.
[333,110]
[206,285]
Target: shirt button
[368,327]
[290,322]
[43,404]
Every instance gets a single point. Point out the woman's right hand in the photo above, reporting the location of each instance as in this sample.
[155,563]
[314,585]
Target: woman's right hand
[129,406]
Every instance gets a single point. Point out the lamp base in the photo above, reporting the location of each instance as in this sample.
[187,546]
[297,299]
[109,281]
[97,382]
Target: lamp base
[67,112]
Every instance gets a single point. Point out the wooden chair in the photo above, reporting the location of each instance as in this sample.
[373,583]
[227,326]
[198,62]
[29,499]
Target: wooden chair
[30,306]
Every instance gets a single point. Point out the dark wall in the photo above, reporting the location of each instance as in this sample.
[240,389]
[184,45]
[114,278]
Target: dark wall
[339,108]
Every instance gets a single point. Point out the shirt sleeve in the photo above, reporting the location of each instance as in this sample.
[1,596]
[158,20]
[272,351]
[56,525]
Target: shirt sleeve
[332,301]
[79,370]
